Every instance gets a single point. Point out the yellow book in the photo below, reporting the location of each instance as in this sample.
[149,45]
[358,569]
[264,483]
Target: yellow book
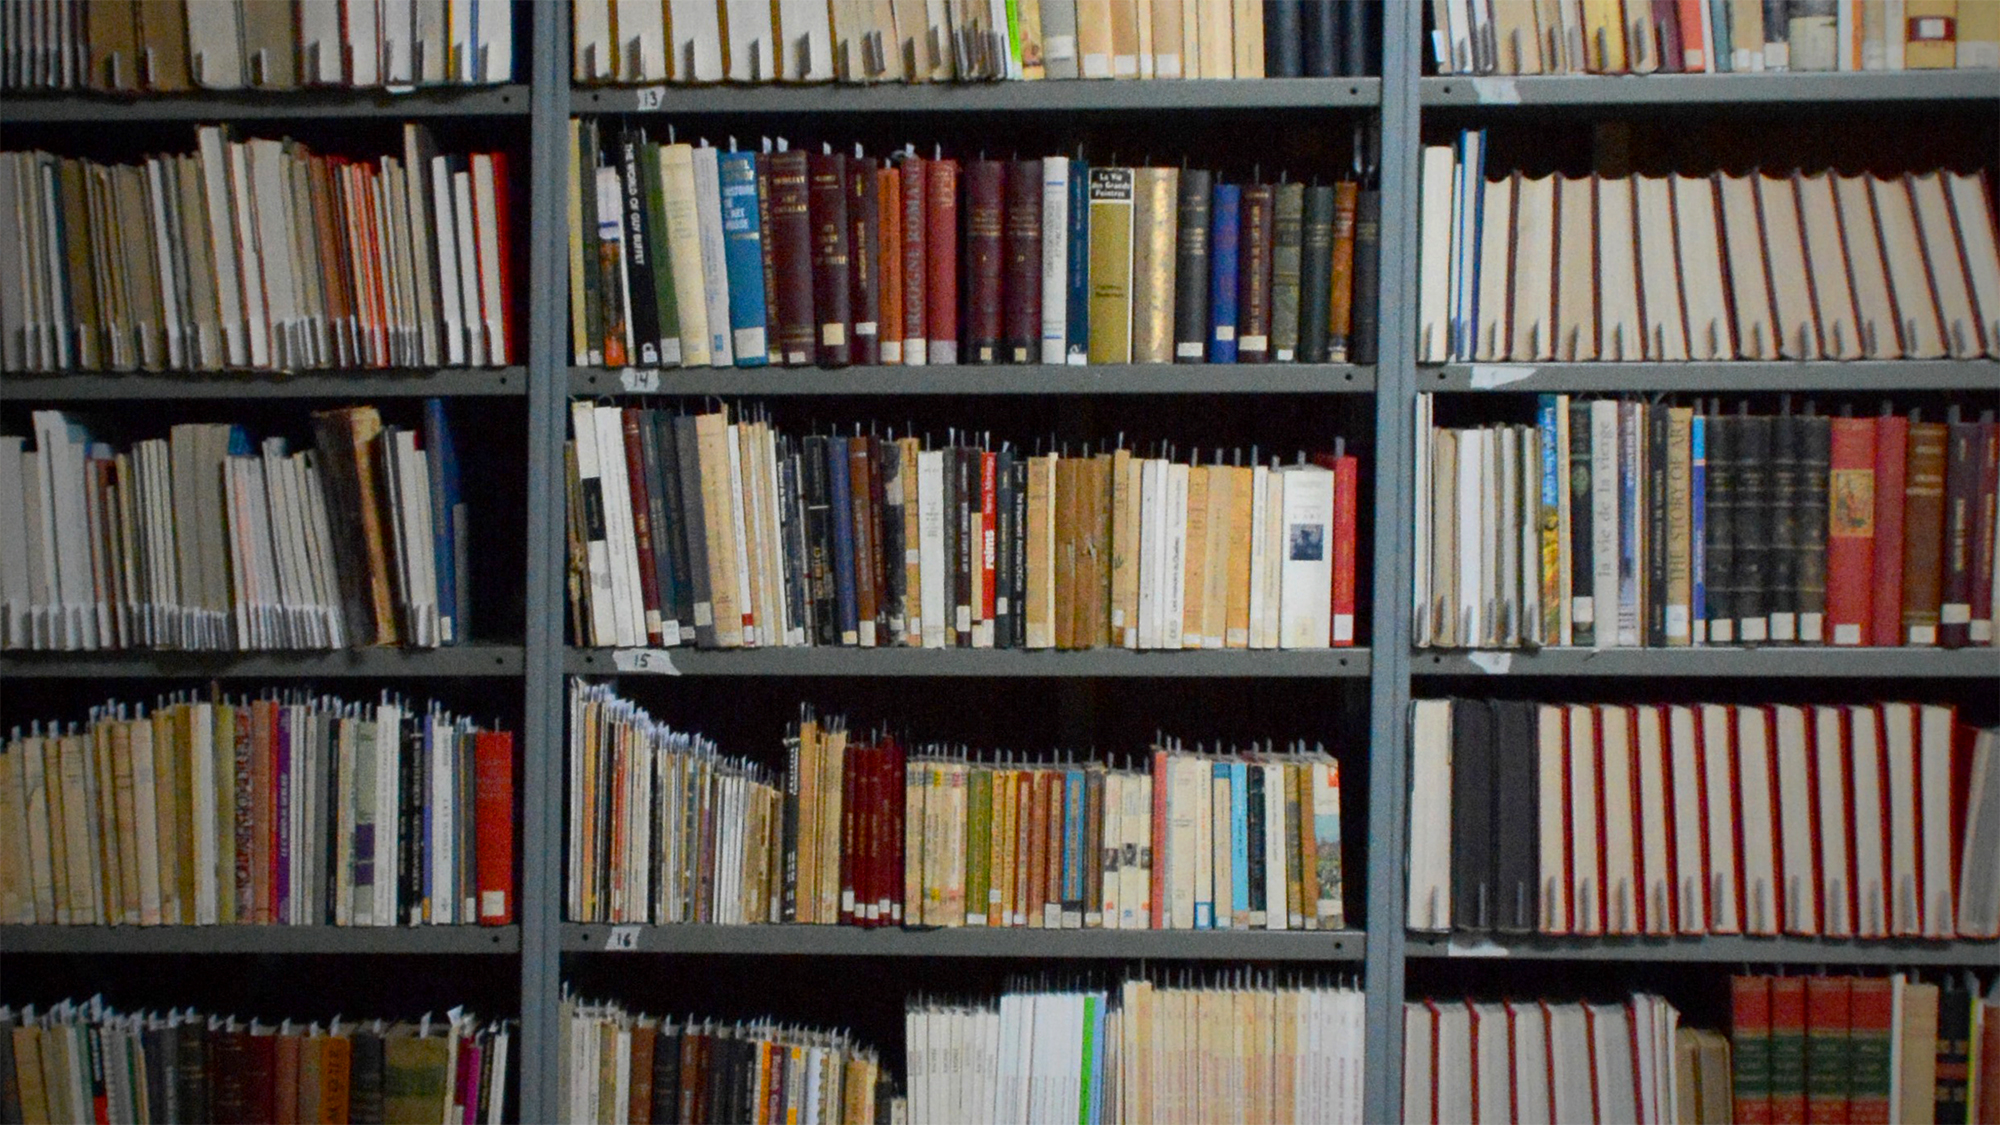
[1154,218]
[1111,192]
[1041,560]
[1124,549]
[712,449]
[1215,561]
[1604,36]
[1978,36]
[1248,38]
[1242,508]
[118,734]
[167,765]
[937,810]
[1302,827]
[833,771]
[1931,33]
[1194,559]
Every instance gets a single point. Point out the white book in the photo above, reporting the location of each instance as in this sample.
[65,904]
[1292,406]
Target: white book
[1424,552]
[1793,754]
[1701,271]
[364,42]
[1552,832]
[1837,821]
[249,256]
[1419,1035]
[752,41]
[1274,553]
[1978,891]
[1055,258]
[1981,252]
[1528,1053]
[1749,280]
[1621,819]
[621,547]
[1870,832]
[696,29]
[1493,1065]
[215,44]
[66,537]
[1604,502]
[1923,334]
[1306,580]
[1492,336]
[1619,325]
[1948,279]
[1760,874]
[1454,1066]
[1874,312]
[467,270]
[1173,569]
[1720,880]
[604,606]
[1153,475]
[1260,517]
[419,154]
[930,564]
[1277,830]
[1434,255]
[1828,266]
[1934,733]
[453,334]
[1135,883]
[398,42]
[159,181]
[1503,578]
[1659,269]
[1430,815]
[1470,605]
[808,41]
[1650,740]
[422,539]
[1531,325]
[1784,249]
[1587,872]
[431,48]
[741,545]
[493,33]
[486,190]
[1688,886]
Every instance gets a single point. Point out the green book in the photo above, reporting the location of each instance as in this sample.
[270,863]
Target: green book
[978,842]
[414,1079]
[664,296]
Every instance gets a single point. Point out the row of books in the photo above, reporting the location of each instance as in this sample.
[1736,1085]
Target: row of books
[1864,820]
[171,46]
[258,254]
[867,832]
[88,1061]
[1757,266]
[1542,1062]
[202,540]
[1824,1048]
[1710,36]
[285,808]
[715,529]
[1614,523]
[630,1067]
[1234,1048]
[639,41]
[685,255]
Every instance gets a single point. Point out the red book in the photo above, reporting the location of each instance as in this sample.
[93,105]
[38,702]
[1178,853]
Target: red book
[1021,290]
[791,241]
[1988,1110]
[1871,1035]
[889,211]
[989,536]
[832,288]
[1034,855]
[849,834]
[261,1079]
[1850,532]
[858,882]
[1750,1048]
[642,524]
[1982,537]
[941,258]
[985,206]
[1892,440]
[1788,1050]
[493,825]
[1964,449]
[864,251]
[1828,1063]
[1346,501]
[915,280]
[503,350]
[1159,873]
[1695,47]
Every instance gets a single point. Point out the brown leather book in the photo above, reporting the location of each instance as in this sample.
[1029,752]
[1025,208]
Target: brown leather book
[1021,283]
[941,259]
[163,50]
[864,255]
[1923,532]
[336,1078]
[1094,629]
[774,353]
[285,1079]
[916,281]
[985,204]
[344,437]
[791,242]
[77,242]
[270,45]
[1066,510]
[640,1109]
[862,509]
[1964,451]
[889,259]
[1253,305]
[826,197]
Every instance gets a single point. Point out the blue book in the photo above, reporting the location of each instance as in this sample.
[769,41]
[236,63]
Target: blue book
[1239,844]
[1631,493]
[1724,47]
[1223,235]
[1100,1018]
[1072,863]
[1551,498]
[448,544]
[743,251]
[846,607]
[1698,531]
[1078,345]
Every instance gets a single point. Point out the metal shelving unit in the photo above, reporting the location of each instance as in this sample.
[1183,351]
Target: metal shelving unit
[1672,91]
[243,105]
[1351,663]
[991,97]
[460,940]
[118,386]
[1796,662]
[1723,950]
[459,661]
[851,941]
[1859,377]
[1027,379]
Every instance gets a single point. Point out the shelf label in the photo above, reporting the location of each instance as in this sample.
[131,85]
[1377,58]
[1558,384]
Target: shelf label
[1496,91]
[1456,948]
[655,661]
[649,97]
[1492,663]
[640,380]
[621,938]
[1486,376]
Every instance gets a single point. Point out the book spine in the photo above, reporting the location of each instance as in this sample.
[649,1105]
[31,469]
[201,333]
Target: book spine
[1316,266]
[1077,343]
[989,543]
[1191,243]
[1154,218]
[1630,462]
[941,260]
[1884,625]
[1364,313]
[1781,559]
[1698,529]
[587,159]
[1548,498]
[1827,1055]
[642,530]
[1872,1030]
[1788,1051]
[832,285]
[867,558]
[1983,545]
[792,256]
[1259,907]
[864,219]
[665,298]
[1923,532]
[1850,541]
[985,206]
[1322,56]
[1287,249]
[840,518]
[1284,38]
[896,497]
[916,256]
[1815,456]
[1225,231]
[1750,1043]
[639,246]
[1655,420]
[767,255]
[1254,250]
[1055,258]
[1963,448]
[1346,509]
[1583,630]
[1021,288]
[1751,520]
[494,813]
[1110,266]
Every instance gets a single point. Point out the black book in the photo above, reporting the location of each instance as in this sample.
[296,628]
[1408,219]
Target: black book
[640,242]
[1322,38]
[665,577]
[1815,464]
[1283,39]
[1018,591]
[193,1074]
[1517,857]
[1254,828]
[1719,537]
[798,571]
[667,1076]
[1363,324]
[695,529]
[1750,446]
[592,297]
[162,1046]
[953,537]
[1582,574]
[1472,812]
[1356,29]
[1316,262]
[717,1084]
[674,530]
[1191,267]
[1963,536]
[1654,602]
[412,859]
[1781,555]
[364,1097]
[1004,607]
[819,540]
[1954,1052]
[1287,250]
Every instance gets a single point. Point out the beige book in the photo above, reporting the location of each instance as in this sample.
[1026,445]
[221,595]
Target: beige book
[168,765]
[1218,38]
[1978,48]
[806,894]
[80,830]
[712,446]
[1236,610]
[1154,215]
[1491,336]
[1194,559]
[1143,11]
[1041,561]
[1247,19]
[1909,281]
[1215,563]
[1193,13]
[1604,36]
[1704,287]
[684,252]
[1981,250]
[1746,35]
[1874,310]
[1827,264]
[1125,497]
[1617,274]
[1659,270]
[911,562]
[1930,39]
[1576,277]
[1094,34]
[1784,253]
[1095,629]
[1916,1076]
[833,767]
[1125,38]
[1749,278]
[1169,38]
[1518,37]
[1274,556]
[41,801]
[1558,24]
[1531,322]
[125,837]
[1444,538]
[1942,252]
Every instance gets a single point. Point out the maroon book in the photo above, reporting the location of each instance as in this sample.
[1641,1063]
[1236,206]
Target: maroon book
[1982,538]
[791,243]
[1253,283]
[941,259]
[864,203]
[878,503]
[1963,449]
[832,286]
[915,282]
[985,203]
[1667,27]
[866,552]
[1021,287]
[774,352]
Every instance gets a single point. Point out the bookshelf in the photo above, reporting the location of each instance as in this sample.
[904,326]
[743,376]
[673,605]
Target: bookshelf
[1382,678]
